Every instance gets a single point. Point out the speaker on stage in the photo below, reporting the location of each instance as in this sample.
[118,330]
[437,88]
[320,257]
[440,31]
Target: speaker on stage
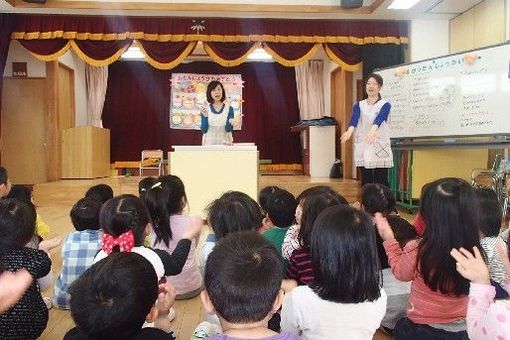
[351,3]
[35,1]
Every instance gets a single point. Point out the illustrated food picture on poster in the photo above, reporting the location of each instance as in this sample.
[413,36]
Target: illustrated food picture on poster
[188,97]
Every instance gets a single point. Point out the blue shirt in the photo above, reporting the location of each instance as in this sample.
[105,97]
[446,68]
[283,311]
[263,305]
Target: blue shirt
[78,252]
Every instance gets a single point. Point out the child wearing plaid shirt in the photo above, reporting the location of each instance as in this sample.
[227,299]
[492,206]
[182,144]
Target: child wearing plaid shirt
[79,248]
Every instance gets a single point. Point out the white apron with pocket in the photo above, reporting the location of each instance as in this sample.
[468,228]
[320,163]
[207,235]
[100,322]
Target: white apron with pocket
[378,154]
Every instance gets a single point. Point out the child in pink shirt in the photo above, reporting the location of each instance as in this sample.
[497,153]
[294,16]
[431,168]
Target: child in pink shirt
[486,318]
[438,299]
[165,200]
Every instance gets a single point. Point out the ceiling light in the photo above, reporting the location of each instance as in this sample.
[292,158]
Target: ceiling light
[133,53]
[259,54]
[403,4]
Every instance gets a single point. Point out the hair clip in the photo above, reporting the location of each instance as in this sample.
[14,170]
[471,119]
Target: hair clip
[156,185]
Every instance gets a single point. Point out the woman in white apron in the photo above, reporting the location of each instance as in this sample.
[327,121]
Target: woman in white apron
[217,117]
[372,148]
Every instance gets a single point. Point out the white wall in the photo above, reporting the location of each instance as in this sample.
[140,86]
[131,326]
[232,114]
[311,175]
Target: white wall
[37,69]
[429,39]
[17,53]
[71,60]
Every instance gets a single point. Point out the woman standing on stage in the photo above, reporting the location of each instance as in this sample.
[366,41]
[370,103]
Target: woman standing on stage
[217,117]
[372,148]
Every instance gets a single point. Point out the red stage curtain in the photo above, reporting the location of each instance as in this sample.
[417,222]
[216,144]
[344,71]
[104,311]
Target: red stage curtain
[95,53]
[100,53]
[47,50]
[229,54]
[167,55]
[136,109]
[209,29]
[348,56]
[6,24]
[291,54]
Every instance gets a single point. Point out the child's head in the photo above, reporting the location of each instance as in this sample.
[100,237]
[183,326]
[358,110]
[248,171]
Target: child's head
[486,193]
[177,199]
[313,205]
[264,195]
[20,192]
[145,184]
[165,198]
[377,198]
[125,213]
[234,211]
[280,208]
[403,232]
[450,210]
[85,214]
[242,279]
[5,182]
[101,192]
[17,223]
[311,191]
[490,217]
[344,256]
[112,299]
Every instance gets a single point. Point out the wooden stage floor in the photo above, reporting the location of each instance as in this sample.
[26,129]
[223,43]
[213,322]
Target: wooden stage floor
[54,201]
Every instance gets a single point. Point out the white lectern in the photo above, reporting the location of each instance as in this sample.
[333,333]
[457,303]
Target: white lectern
[209,171]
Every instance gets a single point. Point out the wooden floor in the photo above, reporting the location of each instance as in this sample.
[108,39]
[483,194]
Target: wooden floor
[54,201]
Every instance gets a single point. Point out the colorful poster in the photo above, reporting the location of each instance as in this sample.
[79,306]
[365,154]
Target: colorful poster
[188,97]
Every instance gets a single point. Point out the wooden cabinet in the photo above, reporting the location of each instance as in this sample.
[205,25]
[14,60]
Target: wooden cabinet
[85,152]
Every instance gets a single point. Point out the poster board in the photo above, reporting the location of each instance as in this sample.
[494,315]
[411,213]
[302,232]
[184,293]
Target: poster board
[188,97]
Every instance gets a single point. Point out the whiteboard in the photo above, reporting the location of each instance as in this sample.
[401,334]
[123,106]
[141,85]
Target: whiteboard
[463,94]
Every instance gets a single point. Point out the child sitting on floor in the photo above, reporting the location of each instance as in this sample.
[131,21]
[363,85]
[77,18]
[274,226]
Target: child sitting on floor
[242,286]
[280,210]
[100,192]
[345,299]
[166,201]
[79,249]
[114,298]
[27,319]
[125,222]
[234,211]
[491,218]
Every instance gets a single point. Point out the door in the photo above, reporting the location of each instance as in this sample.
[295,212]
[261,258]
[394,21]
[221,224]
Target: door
[23,134]
[61,115]
[341,106]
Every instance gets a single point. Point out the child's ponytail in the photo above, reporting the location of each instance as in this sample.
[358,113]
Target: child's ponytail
[156,201]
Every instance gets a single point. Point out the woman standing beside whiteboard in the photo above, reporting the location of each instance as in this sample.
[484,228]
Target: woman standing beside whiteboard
[372,148]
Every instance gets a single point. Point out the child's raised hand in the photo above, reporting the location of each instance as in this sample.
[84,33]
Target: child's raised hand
[166,298]
[502,251]
[383,227]
[193,229]
[50,244]
[471,267]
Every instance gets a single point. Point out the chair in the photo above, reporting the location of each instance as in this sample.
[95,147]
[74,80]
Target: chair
[151,160]
[496,179]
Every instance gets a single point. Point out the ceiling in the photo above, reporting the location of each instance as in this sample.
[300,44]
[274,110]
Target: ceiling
[322,9]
